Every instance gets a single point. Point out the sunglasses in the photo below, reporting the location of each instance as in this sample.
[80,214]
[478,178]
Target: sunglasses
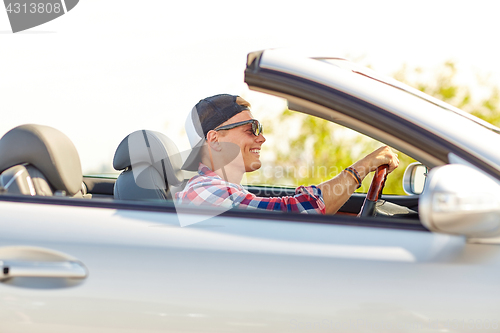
[256,126]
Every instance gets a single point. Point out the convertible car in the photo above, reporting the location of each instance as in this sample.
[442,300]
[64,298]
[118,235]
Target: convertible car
[106,254]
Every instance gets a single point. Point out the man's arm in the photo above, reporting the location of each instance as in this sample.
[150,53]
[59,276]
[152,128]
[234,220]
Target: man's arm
[307,199]
[337,190]
[217,193]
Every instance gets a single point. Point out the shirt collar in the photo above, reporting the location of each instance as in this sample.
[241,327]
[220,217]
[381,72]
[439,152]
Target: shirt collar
[203,170]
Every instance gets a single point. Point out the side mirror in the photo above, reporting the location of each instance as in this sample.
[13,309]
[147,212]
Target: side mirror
[414,178]
[461,200]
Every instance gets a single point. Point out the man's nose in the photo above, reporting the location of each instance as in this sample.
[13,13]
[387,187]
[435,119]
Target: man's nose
[261,138]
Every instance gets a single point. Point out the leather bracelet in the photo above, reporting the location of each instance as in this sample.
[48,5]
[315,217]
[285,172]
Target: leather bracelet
[355,175]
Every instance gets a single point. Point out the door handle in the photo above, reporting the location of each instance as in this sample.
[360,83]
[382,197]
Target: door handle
[57,269]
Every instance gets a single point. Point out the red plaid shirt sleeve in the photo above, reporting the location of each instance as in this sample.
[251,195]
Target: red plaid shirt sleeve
[208,188]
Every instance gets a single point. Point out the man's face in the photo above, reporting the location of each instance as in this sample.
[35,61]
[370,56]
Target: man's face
[243,136]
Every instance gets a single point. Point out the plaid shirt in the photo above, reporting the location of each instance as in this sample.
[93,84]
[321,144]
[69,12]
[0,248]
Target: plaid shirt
[209,188]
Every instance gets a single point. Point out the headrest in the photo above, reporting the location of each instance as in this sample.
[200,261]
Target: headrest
[48,150]
[150,148]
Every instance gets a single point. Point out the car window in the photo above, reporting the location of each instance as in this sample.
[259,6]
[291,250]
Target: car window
[302,149]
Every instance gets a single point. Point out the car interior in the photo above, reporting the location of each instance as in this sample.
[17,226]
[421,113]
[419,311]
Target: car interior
[39,160]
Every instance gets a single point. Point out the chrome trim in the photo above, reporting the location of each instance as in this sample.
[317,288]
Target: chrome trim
[63,269]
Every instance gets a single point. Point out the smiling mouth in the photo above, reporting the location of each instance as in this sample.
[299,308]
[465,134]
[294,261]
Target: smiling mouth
[255,151]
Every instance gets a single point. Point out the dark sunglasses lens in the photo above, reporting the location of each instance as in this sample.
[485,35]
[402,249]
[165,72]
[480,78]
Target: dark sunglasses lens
[257,128]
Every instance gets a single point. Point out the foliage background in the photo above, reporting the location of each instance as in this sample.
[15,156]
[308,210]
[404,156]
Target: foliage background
[317,149]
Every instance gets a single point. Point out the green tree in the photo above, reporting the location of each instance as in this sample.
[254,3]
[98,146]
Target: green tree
[444,86]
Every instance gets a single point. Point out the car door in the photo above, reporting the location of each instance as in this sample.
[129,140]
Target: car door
[242,271]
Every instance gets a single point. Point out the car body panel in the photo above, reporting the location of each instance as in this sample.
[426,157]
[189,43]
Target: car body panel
[225,274]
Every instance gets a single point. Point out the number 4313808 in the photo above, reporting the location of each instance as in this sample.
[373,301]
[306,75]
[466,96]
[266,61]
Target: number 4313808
[33,8]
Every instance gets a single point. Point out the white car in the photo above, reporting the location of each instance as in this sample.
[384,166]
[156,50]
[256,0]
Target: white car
[425,262]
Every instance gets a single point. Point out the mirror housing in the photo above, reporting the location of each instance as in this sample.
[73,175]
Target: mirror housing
[414,178]
[458,199]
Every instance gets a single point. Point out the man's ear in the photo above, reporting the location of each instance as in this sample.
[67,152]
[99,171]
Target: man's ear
[213,140]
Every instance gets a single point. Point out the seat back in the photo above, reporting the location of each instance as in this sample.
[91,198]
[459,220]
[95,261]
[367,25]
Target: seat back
[25,179]
[39,160]
[151,166]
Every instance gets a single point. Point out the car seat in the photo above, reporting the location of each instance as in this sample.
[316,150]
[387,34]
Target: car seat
[39,160]
[151,166]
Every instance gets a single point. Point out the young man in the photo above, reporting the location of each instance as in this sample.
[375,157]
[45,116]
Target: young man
[226,143]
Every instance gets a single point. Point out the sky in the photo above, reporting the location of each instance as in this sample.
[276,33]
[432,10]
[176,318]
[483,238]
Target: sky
[111,67]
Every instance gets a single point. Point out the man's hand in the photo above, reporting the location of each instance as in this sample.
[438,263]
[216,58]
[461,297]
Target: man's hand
[381,156]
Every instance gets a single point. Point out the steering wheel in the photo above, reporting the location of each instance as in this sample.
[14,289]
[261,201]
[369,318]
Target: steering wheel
[376,187]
